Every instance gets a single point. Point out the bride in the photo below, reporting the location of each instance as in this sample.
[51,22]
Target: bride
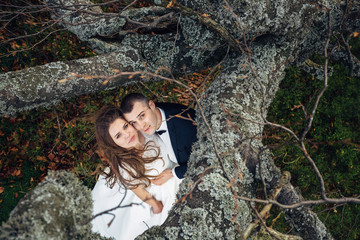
[130,161]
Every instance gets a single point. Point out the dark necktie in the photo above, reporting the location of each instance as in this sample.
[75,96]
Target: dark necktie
[160,132]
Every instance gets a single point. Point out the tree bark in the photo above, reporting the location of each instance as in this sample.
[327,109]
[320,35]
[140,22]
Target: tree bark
[229,160]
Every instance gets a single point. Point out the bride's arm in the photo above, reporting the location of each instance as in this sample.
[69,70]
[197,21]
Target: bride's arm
[148,198]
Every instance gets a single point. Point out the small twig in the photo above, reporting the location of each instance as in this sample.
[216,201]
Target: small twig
[317,100]
[153,93]
[129,5]
[59,127]
[176,36]
[305,202]
[311,117]
[349,55]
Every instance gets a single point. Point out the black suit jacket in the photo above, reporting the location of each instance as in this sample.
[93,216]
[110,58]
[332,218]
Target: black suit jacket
[182,133]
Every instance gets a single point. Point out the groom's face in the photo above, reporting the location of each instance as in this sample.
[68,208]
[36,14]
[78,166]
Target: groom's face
[143,117]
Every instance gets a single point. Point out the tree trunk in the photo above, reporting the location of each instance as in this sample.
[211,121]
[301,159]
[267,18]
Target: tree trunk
[229,160]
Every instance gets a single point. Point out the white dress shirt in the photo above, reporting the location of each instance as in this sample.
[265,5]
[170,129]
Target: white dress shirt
[165,137]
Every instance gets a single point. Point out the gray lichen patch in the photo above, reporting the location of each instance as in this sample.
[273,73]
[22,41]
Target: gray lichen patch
[197,36]
[84,25]
[303,219]
[198,224]
[102,47]
[57,208]
[155,232]
[140,14]
[28,83]
[172,232]
[219,189]
[254,18]
[266,168]
[154,52]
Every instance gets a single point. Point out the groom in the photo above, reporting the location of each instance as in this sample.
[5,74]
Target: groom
[166,120]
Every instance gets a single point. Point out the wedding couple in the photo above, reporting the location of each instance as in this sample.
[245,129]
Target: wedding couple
[145,149]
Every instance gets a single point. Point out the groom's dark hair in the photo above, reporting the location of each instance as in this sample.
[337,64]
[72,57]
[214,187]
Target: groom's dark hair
[129,100]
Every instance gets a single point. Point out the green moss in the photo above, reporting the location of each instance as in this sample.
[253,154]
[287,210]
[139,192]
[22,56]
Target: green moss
[332,141]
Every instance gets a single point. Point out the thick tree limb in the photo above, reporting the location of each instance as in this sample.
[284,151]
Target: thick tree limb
[273,33]
[39,86]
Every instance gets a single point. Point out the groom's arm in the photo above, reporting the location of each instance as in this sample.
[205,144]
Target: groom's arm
[163,177]
[186,137]
[180,170]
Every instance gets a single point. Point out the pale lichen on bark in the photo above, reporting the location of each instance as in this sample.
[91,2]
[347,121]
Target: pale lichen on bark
[55,209]
[279,32]
[39,86]
[73,16]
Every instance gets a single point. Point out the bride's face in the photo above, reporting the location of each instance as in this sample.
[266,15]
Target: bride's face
[123,134]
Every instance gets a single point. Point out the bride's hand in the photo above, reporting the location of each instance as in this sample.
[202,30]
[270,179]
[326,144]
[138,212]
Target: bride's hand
[144,195]
[157,206]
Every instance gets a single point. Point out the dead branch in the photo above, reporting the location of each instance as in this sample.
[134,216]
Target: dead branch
[265,212]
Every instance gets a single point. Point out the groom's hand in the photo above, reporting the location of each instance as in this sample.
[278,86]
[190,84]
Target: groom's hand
[163,177]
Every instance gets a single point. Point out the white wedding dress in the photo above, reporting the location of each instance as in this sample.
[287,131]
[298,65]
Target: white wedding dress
[134,216]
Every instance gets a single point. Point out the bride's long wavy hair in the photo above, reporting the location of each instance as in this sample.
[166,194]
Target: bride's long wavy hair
[120,159]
